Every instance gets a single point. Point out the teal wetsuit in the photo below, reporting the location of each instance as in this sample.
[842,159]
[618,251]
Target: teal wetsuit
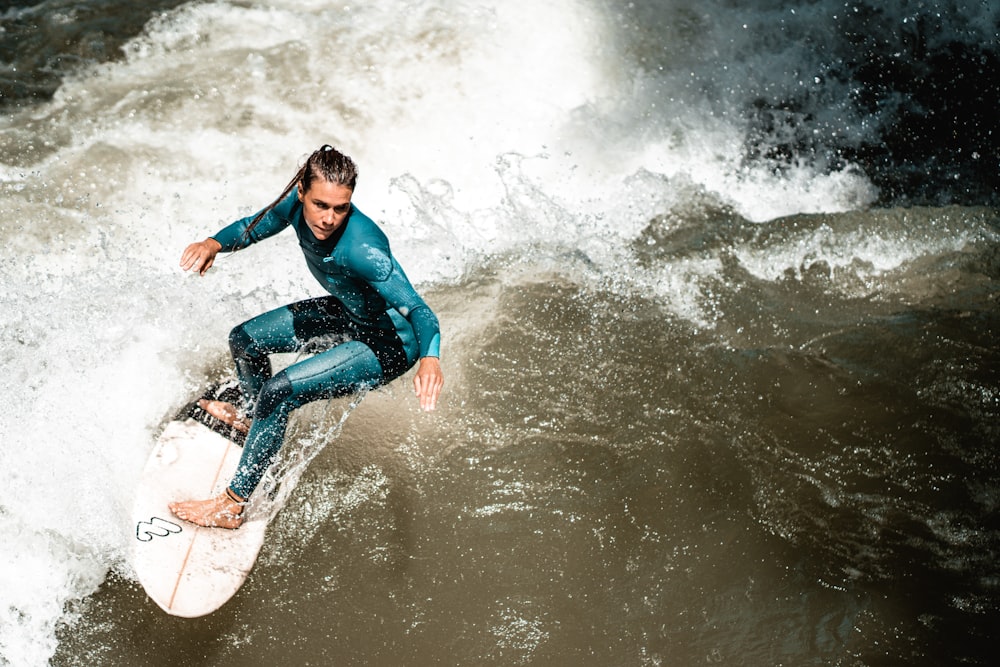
[372,328]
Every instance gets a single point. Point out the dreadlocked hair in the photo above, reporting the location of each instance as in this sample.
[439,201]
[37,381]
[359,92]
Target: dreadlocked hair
[327,163]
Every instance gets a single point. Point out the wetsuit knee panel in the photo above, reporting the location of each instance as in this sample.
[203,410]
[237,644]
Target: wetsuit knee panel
[274,392]
[240,342]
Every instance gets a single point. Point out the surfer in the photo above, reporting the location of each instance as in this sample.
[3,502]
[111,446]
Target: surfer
[371,329]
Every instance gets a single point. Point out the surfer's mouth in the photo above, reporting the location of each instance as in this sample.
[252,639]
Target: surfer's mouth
[324,230]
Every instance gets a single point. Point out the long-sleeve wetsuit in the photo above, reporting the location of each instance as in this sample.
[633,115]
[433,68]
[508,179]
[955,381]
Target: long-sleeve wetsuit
[372,328]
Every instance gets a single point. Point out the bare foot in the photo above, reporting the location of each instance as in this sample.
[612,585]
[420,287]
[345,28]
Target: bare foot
[218,512]
[227,413]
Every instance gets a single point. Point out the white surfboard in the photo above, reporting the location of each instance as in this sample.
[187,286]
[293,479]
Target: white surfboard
[187,570]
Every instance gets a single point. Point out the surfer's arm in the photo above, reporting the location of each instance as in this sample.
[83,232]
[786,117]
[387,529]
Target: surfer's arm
[399,293]
[393,286]
[385,274]
[200,256]
[236,237]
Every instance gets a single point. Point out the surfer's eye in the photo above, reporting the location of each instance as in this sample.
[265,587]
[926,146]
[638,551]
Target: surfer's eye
[339,209]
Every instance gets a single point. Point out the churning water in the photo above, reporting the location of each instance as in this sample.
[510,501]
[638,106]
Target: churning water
[718,286]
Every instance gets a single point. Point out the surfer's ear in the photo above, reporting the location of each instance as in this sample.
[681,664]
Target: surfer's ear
[298,190]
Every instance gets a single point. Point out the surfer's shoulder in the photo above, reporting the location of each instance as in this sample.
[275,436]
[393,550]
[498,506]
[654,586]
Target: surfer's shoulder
[366,251]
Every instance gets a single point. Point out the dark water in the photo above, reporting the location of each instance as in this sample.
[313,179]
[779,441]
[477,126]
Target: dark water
[41,42]
[719,391]
[906,91]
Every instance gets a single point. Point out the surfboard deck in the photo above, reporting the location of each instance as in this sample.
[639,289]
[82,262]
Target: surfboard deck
[190,571]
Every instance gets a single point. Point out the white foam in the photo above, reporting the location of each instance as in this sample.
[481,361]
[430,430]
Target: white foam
[40,571]
[479,127]
[841,246]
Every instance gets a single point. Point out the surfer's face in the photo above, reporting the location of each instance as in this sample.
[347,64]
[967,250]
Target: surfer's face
[325,206]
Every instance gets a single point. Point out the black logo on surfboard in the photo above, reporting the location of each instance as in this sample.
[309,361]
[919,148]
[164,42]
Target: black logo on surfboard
[155,527]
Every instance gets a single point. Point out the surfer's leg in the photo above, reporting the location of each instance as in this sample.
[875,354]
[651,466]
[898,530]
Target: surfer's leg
[252,341]
[284,329]
[250,344]
[342,370]
[291,328]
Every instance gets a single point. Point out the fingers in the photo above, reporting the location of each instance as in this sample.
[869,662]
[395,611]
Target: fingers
[206,264]
[428,396]
[198,257]
[428,383]
[193,258]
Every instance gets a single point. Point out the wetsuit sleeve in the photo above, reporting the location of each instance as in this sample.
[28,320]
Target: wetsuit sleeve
[392,285]
[234,236]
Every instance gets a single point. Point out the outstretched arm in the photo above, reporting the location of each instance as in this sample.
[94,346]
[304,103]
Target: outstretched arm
[201,255]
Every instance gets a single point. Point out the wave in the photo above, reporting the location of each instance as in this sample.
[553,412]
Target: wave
[696,162]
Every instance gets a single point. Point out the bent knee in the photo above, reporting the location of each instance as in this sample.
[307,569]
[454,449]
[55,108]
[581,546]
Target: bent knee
[240,342]
[274,392]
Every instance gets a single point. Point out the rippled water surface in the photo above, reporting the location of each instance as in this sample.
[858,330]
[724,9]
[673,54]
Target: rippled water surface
[722,381]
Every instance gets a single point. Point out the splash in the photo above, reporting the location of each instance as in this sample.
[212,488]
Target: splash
[484,131]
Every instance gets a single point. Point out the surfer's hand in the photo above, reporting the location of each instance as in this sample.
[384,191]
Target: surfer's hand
[200,256]
[428,382]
